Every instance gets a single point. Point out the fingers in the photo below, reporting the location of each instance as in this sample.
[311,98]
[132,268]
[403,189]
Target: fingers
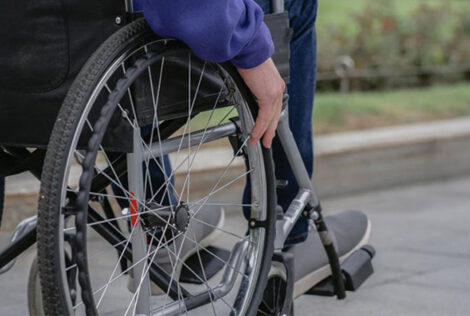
[269,135]
[266,123]
[270,132]
[261,125]
[268,87]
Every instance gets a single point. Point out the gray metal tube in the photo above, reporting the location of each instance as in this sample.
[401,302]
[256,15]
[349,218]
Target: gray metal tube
[277,6]
[222,289]
[229,276]
[139,245]
[21,230]
[293,156]
[284,226]
[129,6]
[172,144]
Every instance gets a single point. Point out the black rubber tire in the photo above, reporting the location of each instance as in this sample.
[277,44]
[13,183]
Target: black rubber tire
[54,297]
[35,307]
[2,198]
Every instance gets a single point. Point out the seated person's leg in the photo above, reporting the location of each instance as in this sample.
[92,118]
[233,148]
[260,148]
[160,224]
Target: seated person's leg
[157,189]
[302,15]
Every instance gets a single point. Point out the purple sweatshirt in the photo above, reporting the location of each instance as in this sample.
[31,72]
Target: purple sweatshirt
[216,30]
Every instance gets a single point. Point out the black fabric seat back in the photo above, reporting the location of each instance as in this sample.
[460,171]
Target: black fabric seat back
[44,45]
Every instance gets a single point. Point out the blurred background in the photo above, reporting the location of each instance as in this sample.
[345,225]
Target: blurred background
[397,61]
[392,124]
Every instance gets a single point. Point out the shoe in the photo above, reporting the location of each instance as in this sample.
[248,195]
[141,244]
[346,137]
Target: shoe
[350,230]
[205,234]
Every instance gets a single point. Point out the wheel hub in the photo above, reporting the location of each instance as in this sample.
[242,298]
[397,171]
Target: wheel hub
[159,216]
[181,218]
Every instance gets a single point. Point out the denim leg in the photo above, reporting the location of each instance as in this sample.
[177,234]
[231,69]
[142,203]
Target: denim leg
[302,15]
[156,175]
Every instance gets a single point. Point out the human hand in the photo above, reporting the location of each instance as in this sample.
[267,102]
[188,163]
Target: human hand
[267,85]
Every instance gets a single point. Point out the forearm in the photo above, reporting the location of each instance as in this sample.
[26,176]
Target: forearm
[216,30]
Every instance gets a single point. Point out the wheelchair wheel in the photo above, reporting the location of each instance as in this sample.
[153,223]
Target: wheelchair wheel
[274,294]
[142,207]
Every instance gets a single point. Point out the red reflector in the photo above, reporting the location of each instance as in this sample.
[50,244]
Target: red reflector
[134,209]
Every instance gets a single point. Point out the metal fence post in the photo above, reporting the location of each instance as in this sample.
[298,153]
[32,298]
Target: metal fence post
[344,67]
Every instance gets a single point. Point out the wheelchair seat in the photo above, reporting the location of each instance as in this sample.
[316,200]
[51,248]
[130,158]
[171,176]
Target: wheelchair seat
[47,43]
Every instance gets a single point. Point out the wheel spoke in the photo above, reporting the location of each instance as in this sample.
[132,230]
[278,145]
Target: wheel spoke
[126,271]
[213,191]
[222,230]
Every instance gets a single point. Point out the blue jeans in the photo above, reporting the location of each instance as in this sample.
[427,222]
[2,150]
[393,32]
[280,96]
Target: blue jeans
[302,15]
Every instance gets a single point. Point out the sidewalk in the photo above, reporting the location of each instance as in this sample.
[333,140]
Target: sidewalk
[423,252]
[345,163]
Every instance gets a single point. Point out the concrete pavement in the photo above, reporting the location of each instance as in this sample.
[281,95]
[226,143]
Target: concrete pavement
[422,237]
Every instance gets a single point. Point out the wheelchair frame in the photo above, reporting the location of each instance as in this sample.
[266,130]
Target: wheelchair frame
[306,202]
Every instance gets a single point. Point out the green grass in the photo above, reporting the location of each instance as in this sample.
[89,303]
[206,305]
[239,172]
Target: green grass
[340,12]
[361,110]
[219,116]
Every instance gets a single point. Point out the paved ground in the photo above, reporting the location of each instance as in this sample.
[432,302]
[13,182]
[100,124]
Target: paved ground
[422,237]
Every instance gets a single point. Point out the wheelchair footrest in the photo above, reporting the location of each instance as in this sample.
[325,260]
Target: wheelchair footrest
[357,268]
[212,260]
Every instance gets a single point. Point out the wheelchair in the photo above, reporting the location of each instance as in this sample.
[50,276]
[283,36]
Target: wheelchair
[93,105]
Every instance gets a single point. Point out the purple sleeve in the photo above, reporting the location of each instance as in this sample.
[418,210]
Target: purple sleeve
[216,30]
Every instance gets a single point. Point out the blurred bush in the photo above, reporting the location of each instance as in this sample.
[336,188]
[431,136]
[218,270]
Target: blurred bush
[431,36]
